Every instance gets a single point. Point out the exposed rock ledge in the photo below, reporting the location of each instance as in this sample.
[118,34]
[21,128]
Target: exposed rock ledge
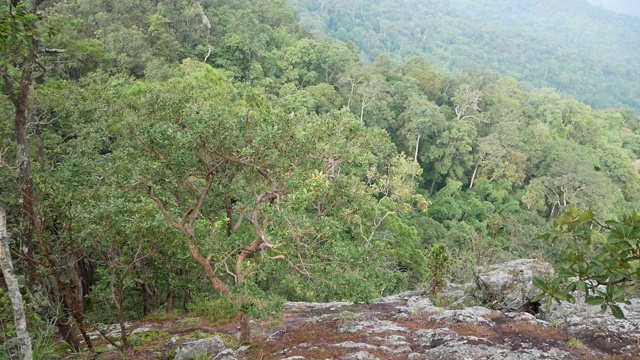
[411,326]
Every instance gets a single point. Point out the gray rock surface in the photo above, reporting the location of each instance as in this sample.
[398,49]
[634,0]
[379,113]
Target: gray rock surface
[209,346]
[580,317]
[508,286]
[360,355]
[410,325]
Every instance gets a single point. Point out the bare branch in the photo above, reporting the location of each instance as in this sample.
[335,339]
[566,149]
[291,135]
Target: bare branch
[208,53]
[52,51]
[163,210]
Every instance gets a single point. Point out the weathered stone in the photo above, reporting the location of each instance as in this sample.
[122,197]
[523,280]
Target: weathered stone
[463,348]
[172,341]
[112,331]
[508,286]
[580,316]
[140,330]
[231,354]
[473,315]
[354,345]
[360,355]
[209,346]
[372,326]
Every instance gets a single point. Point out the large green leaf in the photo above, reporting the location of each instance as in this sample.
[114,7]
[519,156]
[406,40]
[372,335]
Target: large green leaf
[617,312]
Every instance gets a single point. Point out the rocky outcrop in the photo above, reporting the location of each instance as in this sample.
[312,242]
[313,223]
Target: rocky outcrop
[211,346]
[508,286]
[410,326]
[415,325]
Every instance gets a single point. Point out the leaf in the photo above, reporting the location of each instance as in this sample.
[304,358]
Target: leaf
[594,300]
[538,297]
[563,296]
[617,312]
[540,284]
[585,216]
[544,236]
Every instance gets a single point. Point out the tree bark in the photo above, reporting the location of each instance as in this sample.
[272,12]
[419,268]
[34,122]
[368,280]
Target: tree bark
[169,302]
[473,177]
[204,262]
[245,328]
[20,321]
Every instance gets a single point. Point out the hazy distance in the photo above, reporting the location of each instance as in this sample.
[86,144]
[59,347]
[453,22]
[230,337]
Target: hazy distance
[628,7]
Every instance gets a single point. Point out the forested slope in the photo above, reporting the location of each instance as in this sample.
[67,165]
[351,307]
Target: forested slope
[166,155]
[572,46]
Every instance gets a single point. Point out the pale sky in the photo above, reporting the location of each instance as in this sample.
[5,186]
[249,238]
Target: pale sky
[629,7]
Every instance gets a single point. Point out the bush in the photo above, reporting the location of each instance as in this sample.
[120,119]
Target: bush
[218,310]
[439,265]
[600,260]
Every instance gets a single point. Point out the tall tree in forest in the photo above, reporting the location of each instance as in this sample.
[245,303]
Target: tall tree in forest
[27,33]
[20,321]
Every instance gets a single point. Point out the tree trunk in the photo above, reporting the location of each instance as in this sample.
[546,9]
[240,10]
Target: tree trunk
[433,184]
[415,155]
[245,328]
[147,297]
[473,177]
[204,262]
[20,321]
[27,212]
[169,306]
[186,299]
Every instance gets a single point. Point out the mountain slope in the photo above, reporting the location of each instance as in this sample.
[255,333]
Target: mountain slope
[572,46]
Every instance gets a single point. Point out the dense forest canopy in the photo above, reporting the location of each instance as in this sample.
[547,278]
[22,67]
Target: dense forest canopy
[571,46]
[161,155]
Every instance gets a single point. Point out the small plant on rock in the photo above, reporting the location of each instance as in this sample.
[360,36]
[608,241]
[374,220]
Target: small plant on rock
[575,343]
[439,266]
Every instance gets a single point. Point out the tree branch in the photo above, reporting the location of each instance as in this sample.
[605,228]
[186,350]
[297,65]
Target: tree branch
[163,210]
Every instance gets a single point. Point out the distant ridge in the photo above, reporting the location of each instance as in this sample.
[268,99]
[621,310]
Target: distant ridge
[569,45]
[627,7]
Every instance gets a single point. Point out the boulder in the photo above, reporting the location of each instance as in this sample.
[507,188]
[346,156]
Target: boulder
[508,286]
[209,346]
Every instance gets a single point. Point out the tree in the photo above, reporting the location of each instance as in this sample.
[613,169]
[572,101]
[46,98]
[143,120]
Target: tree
[27,33]
[420,119]
[451,155]
[431,81]
[24,339]
[244,182]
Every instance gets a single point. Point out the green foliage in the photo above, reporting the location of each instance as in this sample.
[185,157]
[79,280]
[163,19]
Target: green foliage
[521,40]
[7,329]
[439,265]
[377,178]
[220,310]
[599,260]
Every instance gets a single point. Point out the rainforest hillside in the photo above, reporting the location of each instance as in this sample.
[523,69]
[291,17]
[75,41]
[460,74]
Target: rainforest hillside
[176,155]
[571,46]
